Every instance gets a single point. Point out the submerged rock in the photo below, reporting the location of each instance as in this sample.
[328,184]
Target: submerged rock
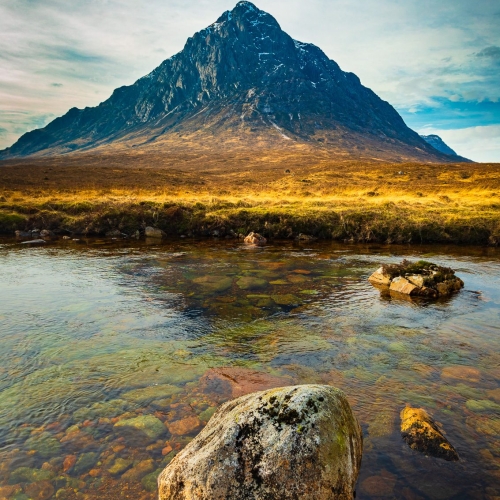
[44,444]
[102,409]
[160,391]
[419,279]
[236,381]
[120,465]
[43,490]
[146,425]
[150,482]
[422,434]
[251,283]
[214,283]
[255,239]
[29,475]
[305,237]
[184,426]
[85,462]
[143,468]
[287,443]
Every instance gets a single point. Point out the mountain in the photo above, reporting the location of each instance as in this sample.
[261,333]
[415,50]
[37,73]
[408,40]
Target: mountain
[242,82]
[437,143]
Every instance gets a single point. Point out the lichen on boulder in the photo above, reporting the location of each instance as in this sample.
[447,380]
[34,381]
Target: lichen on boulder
[422,434]
[417,279]
[286,443]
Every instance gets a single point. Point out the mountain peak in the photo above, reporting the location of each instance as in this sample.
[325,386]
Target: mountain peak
[247,6]
[247,16]
[241,80]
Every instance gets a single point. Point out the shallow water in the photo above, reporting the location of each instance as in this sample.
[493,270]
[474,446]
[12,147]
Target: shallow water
[95,333]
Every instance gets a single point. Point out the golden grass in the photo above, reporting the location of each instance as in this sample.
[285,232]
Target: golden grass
[278,193]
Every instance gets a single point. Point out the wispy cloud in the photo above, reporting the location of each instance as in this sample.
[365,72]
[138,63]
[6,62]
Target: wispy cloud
[493,52]
[434,61]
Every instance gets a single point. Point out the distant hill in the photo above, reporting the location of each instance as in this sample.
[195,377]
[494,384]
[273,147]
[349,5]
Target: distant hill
[437,143]
[240,83]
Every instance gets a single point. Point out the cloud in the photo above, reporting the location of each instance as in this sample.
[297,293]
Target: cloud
[493,52]
[480,144]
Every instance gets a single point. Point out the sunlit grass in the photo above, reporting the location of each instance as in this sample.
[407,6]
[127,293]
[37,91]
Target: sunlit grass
[350,199]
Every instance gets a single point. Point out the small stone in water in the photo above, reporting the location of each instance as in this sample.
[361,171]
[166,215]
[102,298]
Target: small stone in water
[85,462]
[468,373]
[379,486]
[184,426]
[151,427]
[42,490]
[137,472]
[45,444]
[29,475]
[69,462]
[117,448]
[484,405]
[149,482]
[120,465]
[166,450]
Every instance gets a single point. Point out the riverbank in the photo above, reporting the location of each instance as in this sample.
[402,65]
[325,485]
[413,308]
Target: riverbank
[275,196]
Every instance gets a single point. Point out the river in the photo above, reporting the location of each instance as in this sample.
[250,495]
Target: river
[96,332]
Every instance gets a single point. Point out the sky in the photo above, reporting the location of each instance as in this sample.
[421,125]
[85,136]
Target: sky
[436,61]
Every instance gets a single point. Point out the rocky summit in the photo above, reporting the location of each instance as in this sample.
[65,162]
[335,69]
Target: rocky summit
[437,143]
[240,82]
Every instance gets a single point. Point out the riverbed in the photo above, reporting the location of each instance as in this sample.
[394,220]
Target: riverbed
[115,354]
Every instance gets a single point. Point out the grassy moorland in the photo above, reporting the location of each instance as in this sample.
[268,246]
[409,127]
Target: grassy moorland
[278,194]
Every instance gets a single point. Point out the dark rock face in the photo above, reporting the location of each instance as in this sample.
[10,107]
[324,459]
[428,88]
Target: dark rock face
[437,143]
[241,75]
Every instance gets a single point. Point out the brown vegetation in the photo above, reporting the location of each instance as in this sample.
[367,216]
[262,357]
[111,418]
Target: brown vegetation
[279,194]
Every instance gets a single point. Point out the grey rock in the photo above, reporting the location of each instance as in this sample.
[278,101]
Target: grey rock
[153,232]
[23,234]
[34,242]
[287,443]
[115,233]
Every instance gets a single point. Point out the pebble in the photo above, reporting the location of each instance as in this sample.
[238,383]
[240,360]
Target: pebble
[184,426]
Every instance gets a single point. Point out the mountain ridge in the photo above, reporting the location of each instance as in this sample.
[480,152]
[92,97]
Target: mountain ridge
[241,81]
[437,143]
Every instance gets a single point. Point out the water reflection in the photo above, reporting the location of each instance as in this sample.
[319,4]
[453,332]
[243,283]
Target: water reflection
[114,355]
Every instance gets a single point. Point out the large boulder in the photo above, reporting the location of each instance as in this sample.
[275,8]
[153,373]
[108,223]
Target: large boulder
[298,442]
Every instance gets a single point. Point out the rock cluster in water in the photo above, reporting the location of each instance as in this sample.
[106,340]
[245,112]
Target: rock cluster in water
[287,443]
[255,239]
[417,279]
[422,434]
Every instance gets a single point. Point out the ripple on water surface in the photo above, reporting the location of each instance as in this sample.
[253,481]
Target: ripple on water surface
[113,357]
